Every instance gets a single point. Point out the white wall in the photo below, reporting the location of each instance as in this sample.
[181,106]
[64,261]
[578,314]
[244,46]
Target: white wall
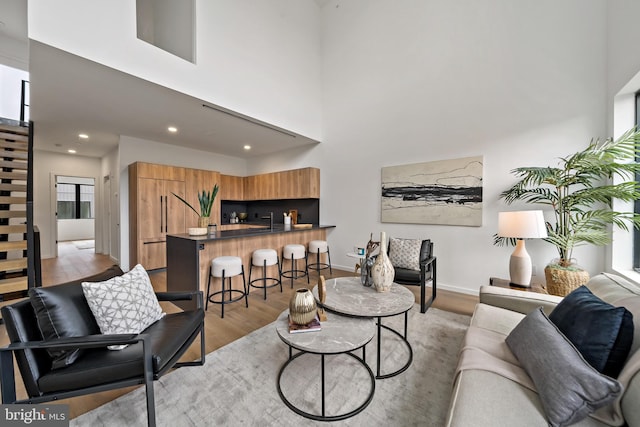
[46,166]
[11,91]
[111,200]
[255,57]
[518,82]
[14,53]
[134,149]
[76,229]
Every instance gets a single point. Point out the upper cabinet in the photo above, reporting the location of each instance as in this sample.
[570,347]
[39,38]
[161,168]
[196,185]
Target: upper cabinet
[231,187]
[292,184]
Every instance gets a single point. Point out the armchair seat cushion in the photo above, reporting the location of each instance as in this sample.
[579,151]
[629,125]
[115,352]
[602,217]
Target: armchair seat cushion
[101,365]
[407,277]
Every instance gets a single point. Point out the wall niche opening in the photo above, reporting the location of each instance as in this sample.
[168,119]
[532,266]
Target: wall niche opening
[168,25]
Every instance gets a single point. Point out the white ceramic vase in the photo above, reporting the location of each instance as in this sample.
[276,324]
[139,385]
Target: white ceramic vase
[382,271]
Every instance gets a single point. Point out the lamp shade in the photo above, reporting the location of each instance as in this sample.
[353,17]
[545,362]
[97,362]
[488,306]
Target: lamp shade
[522,225]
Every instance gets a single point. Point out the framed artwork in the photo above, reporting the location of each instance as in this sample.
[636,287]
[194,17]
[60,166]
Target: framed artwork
[446,192]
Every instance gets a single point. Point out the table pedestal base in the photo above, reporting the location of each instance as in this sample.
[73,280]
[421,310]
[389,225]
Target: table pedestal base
[323,416]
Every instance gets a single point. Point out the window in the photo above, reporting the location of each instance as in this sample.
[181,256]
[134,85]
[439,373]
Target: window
[636,206]
[75,201]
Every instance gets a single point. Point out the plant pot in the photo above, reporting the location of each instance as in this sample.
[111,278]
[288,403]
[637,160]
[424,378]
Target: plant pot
[203,221]
[562,280]
[302,307]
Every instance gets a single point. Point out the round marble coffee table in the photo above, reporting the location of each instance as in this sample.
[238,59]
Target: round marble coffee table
[339,335]
[348,297]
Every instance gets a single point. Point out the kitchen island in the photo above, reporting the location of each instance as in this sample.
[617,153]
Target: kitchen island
[189,257]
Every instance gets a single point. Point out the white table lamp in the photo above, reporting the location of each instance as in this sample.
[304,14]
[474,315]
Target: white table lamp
[521,225]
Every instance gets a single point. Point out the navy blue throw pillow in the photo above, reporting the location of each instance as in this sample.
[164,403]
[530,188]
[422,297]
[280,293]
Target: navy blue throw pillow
[602,333]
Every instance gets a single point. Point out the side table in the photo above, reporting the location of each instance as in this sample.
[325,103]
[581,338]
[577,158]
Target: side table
[504,283]
[348,297]
[339,335]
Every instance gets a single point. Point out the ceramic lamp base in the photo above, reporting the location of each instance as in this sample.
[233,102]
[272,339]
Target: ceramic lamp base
[520,266]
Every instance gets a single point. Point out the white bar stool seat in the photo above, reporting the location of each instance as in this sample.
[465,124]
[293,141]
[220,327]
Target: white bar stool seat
[319,247]
[226,267]
[294,252]
[265,258]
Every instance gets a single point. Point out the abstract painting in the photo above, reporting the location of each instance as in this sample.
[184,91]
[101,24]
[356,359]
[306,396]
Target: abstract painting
[447,192]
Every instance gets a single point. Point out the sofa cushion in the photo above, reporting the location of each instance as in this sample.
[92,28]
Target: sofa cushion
[569,388]
[62,312]
[601,332]
[125,304]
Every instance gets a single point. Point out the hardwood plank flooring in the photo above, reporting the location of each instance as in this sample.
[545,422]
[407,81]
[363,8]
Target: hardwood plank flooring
[238,322]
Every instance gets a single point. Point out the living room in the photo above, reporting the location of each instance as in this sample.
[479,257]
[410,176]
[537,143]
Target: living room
[377,83]
[437,81]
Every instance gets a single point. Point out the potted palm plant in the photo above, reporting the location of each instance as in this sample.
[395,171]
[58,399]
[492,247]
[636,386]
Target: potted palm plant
[580,192]
[206,199]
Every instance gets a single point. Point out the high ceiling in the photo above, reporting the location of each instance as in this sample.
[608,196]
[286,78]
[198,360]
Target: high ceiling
[71,95]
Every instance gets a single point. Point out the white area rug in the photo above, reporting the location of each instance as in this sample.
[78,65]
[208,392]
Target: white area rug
[237,384]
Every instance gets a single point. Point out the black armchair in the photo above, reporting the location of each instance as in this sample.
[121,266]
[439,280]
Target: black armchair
[426,273]
[148,356]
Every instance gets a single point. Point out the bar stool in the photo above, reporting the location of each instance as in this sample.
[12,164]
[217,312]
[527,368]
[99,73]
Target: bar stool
[319,247]
[226,267]
[265,258]
[294,252]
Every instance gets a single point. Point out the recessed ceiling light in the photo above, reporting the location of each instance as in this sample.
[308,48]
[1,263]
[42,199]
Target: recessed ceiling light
[83,136]
[71,151]
[172,129]
[247,147]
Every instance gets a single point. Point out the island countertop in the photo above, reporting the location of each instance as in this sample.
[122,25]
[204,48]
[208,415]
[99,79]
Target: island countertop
[189,257]
[250,232]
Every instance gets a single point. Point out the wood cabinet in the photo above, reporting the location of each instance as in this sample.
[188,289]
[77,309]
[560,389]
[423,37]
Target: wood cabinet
[292,184]
[154,211]
[197,180]
[231,187]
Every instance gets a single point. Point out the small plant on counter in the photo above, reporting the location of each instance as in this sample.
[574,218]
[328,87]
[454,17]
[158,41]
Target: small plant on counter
[206,200]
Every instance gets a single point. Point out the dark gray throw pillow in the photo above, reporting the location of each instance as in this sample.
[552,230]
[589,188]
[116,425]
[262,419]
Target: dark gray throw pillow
[601,332]
[569,388]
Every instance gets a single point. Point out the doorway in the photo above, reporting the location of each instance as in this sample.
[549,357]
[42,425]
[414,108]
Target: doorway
[75,215]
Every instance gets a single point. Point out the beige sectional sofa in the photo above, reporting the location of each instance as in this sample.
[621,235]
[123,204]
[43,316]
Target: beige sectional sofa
[484,394]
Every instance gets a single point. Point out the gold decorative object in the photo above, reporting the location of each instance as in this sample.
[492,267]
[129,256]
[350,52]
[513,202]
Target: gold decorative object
[322,295]
[302,307]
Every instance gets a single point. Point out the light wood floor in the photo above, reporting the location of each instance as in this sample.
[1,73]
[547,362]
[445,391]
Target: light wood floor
[239,321]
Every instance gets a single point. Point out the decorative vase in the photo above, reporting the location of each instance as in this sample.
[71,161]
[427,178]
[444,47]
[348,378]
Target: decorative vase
[365,271]
[302,307]
[382,271]
[562,280]
[203,221]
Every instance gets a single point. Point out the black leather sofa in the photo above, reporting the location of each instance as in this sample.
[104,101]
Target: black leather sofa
[148,356]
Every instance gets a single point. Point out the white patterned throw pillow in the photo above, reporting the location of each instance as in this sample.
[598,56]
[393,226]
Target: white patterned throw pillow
[405,253]
[124,304]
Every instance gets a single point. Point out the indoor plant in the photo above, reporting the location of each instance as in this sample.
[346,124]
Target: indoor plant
[206,199]
[580,191]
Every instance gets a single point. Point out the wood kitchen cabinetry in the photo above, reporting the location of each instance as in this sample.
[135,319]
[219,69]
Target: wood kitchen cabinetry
[197,180]
[231,188]
[154,211]
[292,184]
